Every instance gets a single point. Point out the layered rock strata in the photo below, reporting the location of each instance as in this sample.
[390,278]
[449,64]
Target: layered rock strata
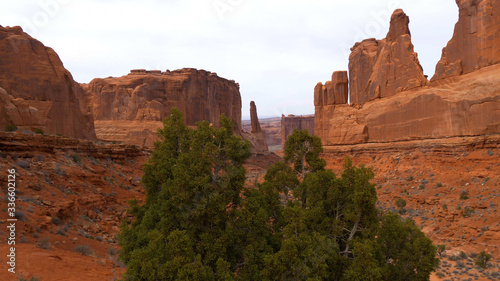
[131,108]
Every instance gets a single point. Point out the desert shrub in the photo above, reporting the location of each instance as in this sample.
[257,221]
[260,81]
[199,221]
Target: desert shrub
[76,158]
[439,184]
[10,128]
[84,250]
[39,131]
[482,259]
[20,215]
[61,232]
[468,211]
[464,195]
[44,244]
[440,249]
[23,164]
[56,220]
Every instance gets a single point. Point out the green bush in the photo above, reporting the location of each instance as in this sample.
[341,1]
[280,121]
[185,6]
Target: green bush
[482,259]
[39,131]
[76,158]
[10,128]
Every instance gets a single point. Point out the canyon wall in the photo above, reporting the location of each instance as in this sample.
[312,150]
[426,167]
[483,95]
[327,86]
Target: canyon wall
[36,91]
[291,122]
[131,108]
[391,100]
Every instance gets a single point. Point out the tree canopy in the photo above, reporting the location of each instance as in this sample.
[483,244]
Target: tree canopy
[302,223]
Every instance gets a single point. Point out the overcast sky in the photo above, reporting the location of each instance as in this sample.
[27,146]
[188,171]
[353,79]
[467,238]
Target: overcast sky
[276,49]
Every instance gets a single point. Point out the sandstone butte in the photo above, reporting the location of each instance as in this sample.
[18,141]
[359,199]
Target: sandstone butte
[36,91]
[390,98]
[291,122]
[257,136]
[131,108]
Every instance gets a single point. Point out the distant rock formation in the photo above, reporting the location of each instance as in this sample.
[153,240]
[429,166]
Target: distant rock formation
[333,92]
[257,136]
[36,91]
[382,68]
[291,122]
[476,39]
[131,108]
[392,101]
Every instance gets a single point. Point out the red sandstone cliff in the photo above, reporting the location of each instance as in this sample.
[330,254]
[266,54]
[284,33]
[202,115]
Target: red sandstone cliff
[476,39]
[131,108]
[36,91]
[392,101]
[382,68]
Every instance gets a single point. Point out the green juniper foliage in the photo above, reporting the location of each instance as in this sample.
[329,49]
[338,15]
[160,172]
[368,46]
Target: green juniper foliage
[302,223]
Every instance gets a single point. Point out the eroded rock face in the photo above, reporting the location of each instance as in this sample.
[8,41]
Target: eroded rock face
[476,39]
[36,91]
[291,122]
[469,106]
[257,136]
[333,92]
[382,68]
[392,101]
[131,108]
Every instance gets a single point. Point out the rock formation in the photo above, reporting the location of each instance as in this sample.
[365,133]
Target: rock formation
[257,136]
[382,68]
[333,92]
[291,122]
[392,101]
[131,108]
[476,39]
[36,91]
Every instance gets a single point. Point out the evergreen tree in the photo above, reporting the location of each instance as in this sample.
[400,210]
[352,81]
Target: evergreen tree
[198,223]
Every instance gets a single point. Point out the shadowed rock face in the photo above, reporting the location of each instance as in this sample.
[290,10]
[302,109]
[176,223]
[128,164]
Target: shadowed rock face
[131,108]
[476,39]
[382,68]
[36,91]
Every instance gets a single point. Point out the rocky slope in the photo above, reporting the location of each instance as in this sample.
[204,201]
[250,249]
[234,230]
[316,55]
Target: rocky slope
[393,101]
[131,108]
[36,91]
